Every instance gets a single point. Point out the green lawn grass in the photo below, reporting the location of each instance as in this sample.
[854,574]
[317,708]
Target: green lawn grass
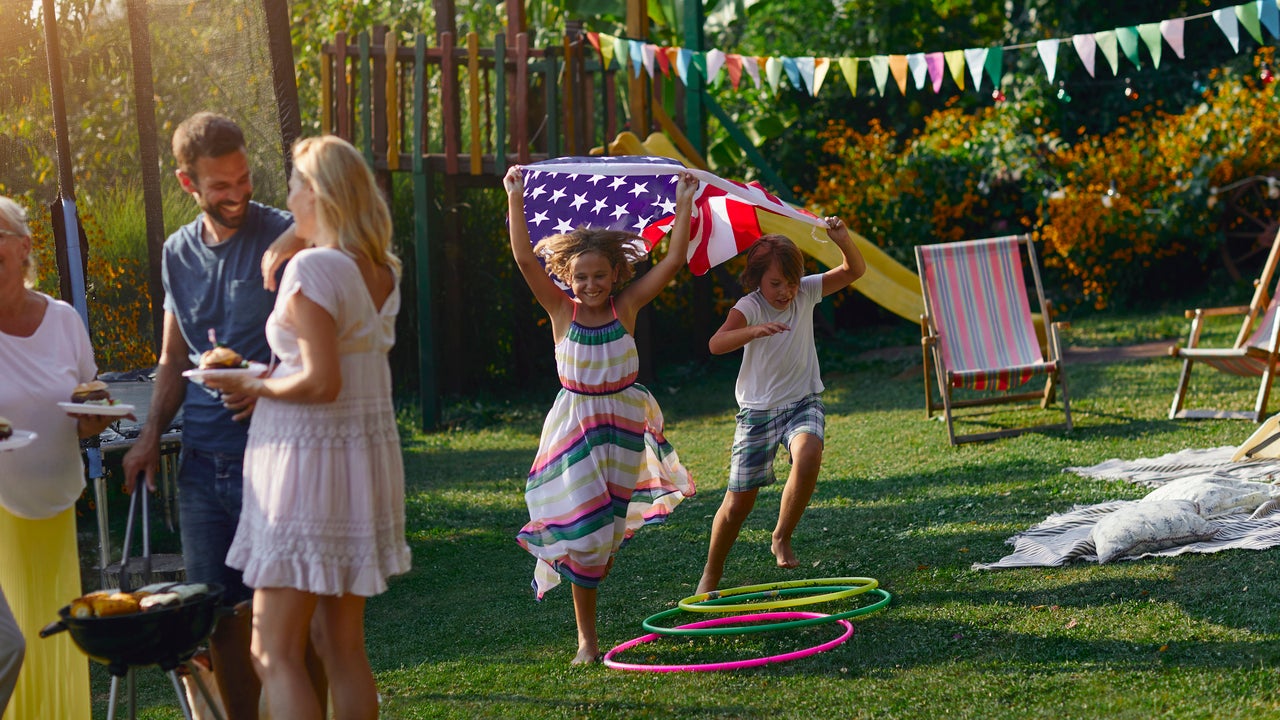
[1196,636]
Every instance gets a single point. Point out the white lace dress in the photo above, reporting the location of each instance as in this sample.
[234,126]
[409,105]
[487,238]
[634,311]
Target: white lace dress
[323,503]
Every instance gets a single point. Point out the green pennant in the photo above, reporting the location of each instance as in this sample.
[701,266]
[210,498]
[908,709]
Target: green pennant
[1128,38]
[1248,14]
[994,65]
[1150,33]
[1107,43]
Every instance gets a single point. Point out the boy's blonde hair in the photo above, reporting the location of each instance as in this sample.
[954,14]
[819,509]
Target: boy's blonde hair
[621,249]
[15,219]
[767,250]
[348,201]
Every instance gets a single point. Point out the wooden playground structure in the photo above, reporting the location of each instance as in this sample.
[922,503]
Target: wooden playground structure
[456,115]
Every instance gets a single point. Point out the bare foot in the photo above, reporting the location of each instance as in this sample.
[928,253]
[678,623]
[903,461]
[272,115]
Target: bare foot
[708,582]
[587,655]
[782,552]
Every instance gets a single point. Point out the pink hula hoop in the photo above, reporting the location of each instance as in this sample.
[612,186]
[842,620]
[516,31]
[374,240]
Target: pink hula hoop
[733,664]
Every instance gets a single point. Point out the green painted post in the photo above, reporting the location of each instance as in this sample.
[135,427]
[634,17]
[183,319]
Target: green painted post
[427,392]
[500,100]
[695,118]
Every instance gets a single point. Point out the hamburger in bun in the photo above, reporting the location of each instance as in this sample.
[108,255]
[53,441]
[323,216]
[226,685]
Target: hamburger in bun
[93,392]
[221,357]
[6,429]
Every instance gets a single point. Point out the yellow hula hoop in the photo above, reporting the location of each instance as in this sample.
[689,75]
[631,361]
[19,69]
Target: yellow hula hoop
[856,586]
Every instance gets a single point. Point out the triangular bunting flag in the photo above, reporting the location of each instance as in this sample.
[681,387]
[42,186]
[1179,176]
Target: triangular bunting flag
[1248,15]
[1087,48]
[1172,32]
[793,72]
[1107,42]
[805,66]
[634,49]
[919,71]
[699,63]
[995,65]
[715,61]
[773,72]
[849,68]
[752,65]
[880,71]
[955,64]
[974,58]
[733,65]
[607,44]
[1150,33]
[663,56]
[937,65]
[898,66]
[621,52]
[650,53]
[1048,50]
[1269,13]
[683,58]
[1128,38]
[1230,25]
[820,68]
[594,39]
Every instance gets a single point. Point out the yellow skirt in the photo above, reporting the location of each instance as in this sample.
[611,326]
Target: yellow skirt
[40,572]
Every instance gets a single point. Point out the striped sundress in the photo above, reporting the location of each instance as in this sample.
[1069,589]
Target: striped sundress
[604,467]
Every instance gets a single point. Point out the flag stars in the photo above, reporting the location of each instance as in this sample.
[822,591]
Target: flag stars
[556,195]
[619,211]
[537,191]
[595,179]
[578,200]
[639,189]
[668,206]
[618,181]
[601,206]
[539,218]
[564,226]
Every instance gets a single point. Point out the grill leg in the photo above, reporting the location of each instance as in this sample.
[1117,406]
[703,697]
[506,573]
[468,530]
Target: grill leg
[182,696]
[111,701]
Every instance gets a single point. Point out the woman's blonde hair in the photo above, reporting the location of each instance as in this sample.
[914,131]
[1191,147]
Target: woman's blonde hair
[348,201]
[15,218]
[621,249]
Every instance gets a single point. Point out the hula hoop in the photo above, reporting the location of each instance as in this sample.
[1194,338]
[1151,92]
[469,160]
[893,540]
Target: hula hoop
[703,629]
[733,664]
[706,602]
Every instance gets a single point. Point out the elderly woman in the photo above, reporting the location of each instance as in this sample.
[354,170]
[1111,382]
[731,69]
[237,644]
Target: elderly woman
[45,353]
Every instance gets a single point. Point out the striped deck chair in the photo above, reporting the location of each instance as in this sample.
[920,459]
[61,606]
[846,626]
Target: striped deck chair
[1254,353]
[978,332]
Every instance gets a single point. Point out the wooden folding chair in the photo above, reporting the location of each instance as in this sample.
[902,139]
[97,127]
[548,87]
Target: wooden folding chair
[1254,353]
[978,332]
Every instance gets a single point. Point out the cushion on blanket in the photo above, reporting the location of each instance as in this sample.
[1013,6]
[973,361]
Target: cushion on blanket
[1214,494]
[1147,526]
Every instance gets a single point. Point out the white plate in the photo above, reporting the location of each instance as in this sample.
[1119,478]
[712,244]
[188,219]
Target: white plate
[118,410]
[255,369]
[19,438]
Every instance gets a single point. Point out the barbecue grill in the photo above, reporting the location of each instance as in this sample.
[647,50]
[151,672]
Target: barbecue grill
[164,636]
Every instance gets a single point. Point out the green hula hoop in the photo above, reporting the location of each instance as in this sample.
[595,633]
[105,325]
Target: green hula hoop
[649,625]
[711,601]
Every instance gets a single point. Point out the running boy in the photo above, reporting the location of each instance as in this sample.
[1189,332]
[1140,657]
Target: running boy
[778,388]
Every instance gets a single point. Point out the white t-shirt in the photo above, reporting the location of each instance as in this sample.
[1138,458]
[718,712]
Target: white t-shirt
[782,368]
[44,478]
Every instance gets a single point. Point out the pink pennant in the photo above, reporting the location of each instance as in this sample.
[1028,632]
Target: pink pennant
[937,63]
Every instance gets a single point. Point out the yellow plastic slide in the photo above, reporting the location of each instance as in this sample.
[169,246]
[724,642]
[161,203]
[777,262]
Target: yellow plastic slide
[887,282]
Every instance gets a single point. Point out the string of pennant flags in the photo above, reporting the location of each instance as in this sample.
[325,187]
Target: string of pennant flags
[923,69]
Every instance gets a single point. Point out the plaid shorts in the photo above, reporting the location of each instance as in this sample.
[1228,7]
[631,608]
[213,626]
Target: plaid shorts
[761,432]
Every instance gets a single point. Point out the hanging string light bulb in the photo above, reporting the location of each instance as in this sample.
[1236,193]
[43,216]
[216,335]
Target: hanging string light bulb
[1063,95]
[998,95]
[1109,197]
[1129,90]
[1197,84]
[1266,74]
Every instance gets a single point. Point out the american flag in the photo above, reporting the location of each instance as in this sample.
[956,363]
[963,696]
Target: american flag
[638,194]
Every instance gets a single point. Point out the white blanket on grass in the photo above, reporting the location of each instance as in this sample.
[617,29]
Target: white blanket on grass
[1064,537]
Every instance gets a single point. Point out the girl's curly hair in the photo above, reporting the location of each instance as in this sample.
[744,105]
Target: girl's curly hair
[767,250]
[620,248]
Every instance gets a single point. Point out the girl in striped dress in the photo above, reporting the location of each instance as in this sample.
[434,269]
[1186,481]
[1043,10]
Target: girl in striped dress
[603,467]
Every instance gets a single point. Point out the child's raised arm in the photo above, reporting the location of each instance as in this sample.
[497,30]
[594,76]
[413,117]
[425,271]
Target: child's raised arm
[854,266]
[549,295]
[645,288]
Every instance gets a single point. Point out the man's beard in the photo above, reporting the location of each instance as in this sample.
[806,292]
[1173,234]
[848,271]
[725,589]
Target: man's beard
[214,212]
